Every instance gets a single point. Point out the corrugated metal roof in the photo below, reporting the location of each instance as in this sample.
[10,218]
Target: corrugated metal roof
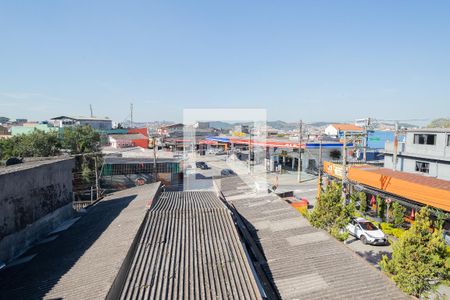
[302,261]
[409,177]
[190,249]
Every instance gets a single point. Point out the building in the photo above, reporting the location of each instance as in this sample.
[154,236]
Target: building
[124,172]
[35,198]
[28,128]
[4,130]
[413,191]
[242,128]
[171,130]
[424,151]
[94,122]
[337,130]
[128,140]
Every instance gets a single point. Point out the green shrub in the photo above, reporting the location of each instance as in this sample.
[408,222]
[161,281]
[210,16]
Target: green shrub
[362,202]
[398,232]
[381,208]
[339,234]
[420,260]
[398,213]
[386,228]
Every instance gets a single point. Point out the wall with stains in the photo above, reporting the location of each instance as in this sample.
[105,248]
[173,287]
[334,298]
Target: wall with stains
[31,192]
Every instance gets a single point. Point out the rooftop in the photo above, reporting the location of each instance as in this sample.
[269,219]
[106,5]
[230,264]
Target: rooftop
[133,136]
[79,118]
[429,130]
[32,164]
[83,261]
[416,187]
[349,127]
[302,261]
[190,249]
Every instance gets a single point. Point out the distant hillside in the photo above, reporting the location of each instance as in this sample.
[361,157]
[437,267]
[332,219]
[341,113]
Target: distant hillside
[440,123]
[281,125]
[220,125]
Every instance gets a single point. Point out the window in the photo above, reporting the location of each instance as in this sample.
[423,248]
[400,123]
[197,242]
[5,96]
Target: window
[425,139]
[448,140]
[422,167]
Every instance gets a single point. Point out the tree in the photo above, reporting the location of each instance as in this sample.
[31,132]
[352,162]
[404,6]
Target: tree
[362,202]
[381,207]
[330,213]
[398,213]
[35,144]
[419,261]
[3,120]
[81,139]
[439,123]
[440,217]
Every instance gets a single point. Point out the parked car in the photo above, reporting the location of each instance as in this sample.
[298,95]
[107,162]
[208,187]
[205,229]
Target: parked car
[202,165]
[227,172]
[366,231]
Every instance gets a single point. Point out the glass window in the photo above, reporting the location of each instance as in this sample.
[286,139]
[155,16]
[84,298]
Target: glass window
[448,140]
[368,226]
[422,167]
[425,139]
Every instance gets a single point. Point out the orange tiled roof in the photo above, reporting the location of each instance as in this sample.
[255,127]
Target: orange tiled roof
[349,127]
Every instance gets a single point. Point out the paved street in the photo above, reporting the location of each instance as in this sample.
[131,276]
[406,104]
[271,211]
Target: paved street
[202,180]
[370,253]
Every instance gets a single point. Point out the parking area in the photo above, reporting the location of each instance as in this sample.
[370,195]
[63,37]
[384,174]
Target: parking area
[370,253]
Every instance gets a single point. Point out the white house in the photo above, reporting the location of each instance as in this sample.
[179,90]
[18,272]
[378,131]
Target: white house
[94,122]
[337,130]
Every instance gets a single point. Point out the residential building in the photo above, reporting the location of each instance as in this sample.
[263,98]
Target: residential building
[170,130]
[337,130]
[128,140]
[94,122]
[425,151]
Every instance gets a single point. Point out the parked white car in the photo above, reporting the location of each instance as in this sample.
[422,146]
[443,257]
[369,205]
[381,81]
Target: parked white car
[366,231]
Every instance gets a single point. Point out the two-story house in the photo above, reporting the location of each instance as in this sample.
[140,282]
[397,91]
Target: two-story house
[425,151]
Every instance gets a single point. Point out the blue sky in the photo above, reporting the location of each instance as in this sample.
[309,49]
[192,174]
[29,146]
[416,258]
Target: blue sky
[315,60]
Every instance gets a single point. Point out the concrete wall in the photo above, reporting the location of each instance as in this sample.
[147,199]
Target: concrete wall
[439,150]
[30,192]
[438,155]
[437,170]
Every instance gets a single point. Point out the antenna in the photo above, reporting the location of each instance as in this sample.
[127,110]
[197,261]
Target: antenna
[92,113]
[131,115]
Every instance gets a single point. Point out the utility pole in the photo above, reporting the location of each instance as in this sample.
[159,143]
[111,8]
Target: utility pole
[250,152]
[344,168]
[96,179]
[300,137]
[394,154]
[365,140]
[319,178]
[155,171]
